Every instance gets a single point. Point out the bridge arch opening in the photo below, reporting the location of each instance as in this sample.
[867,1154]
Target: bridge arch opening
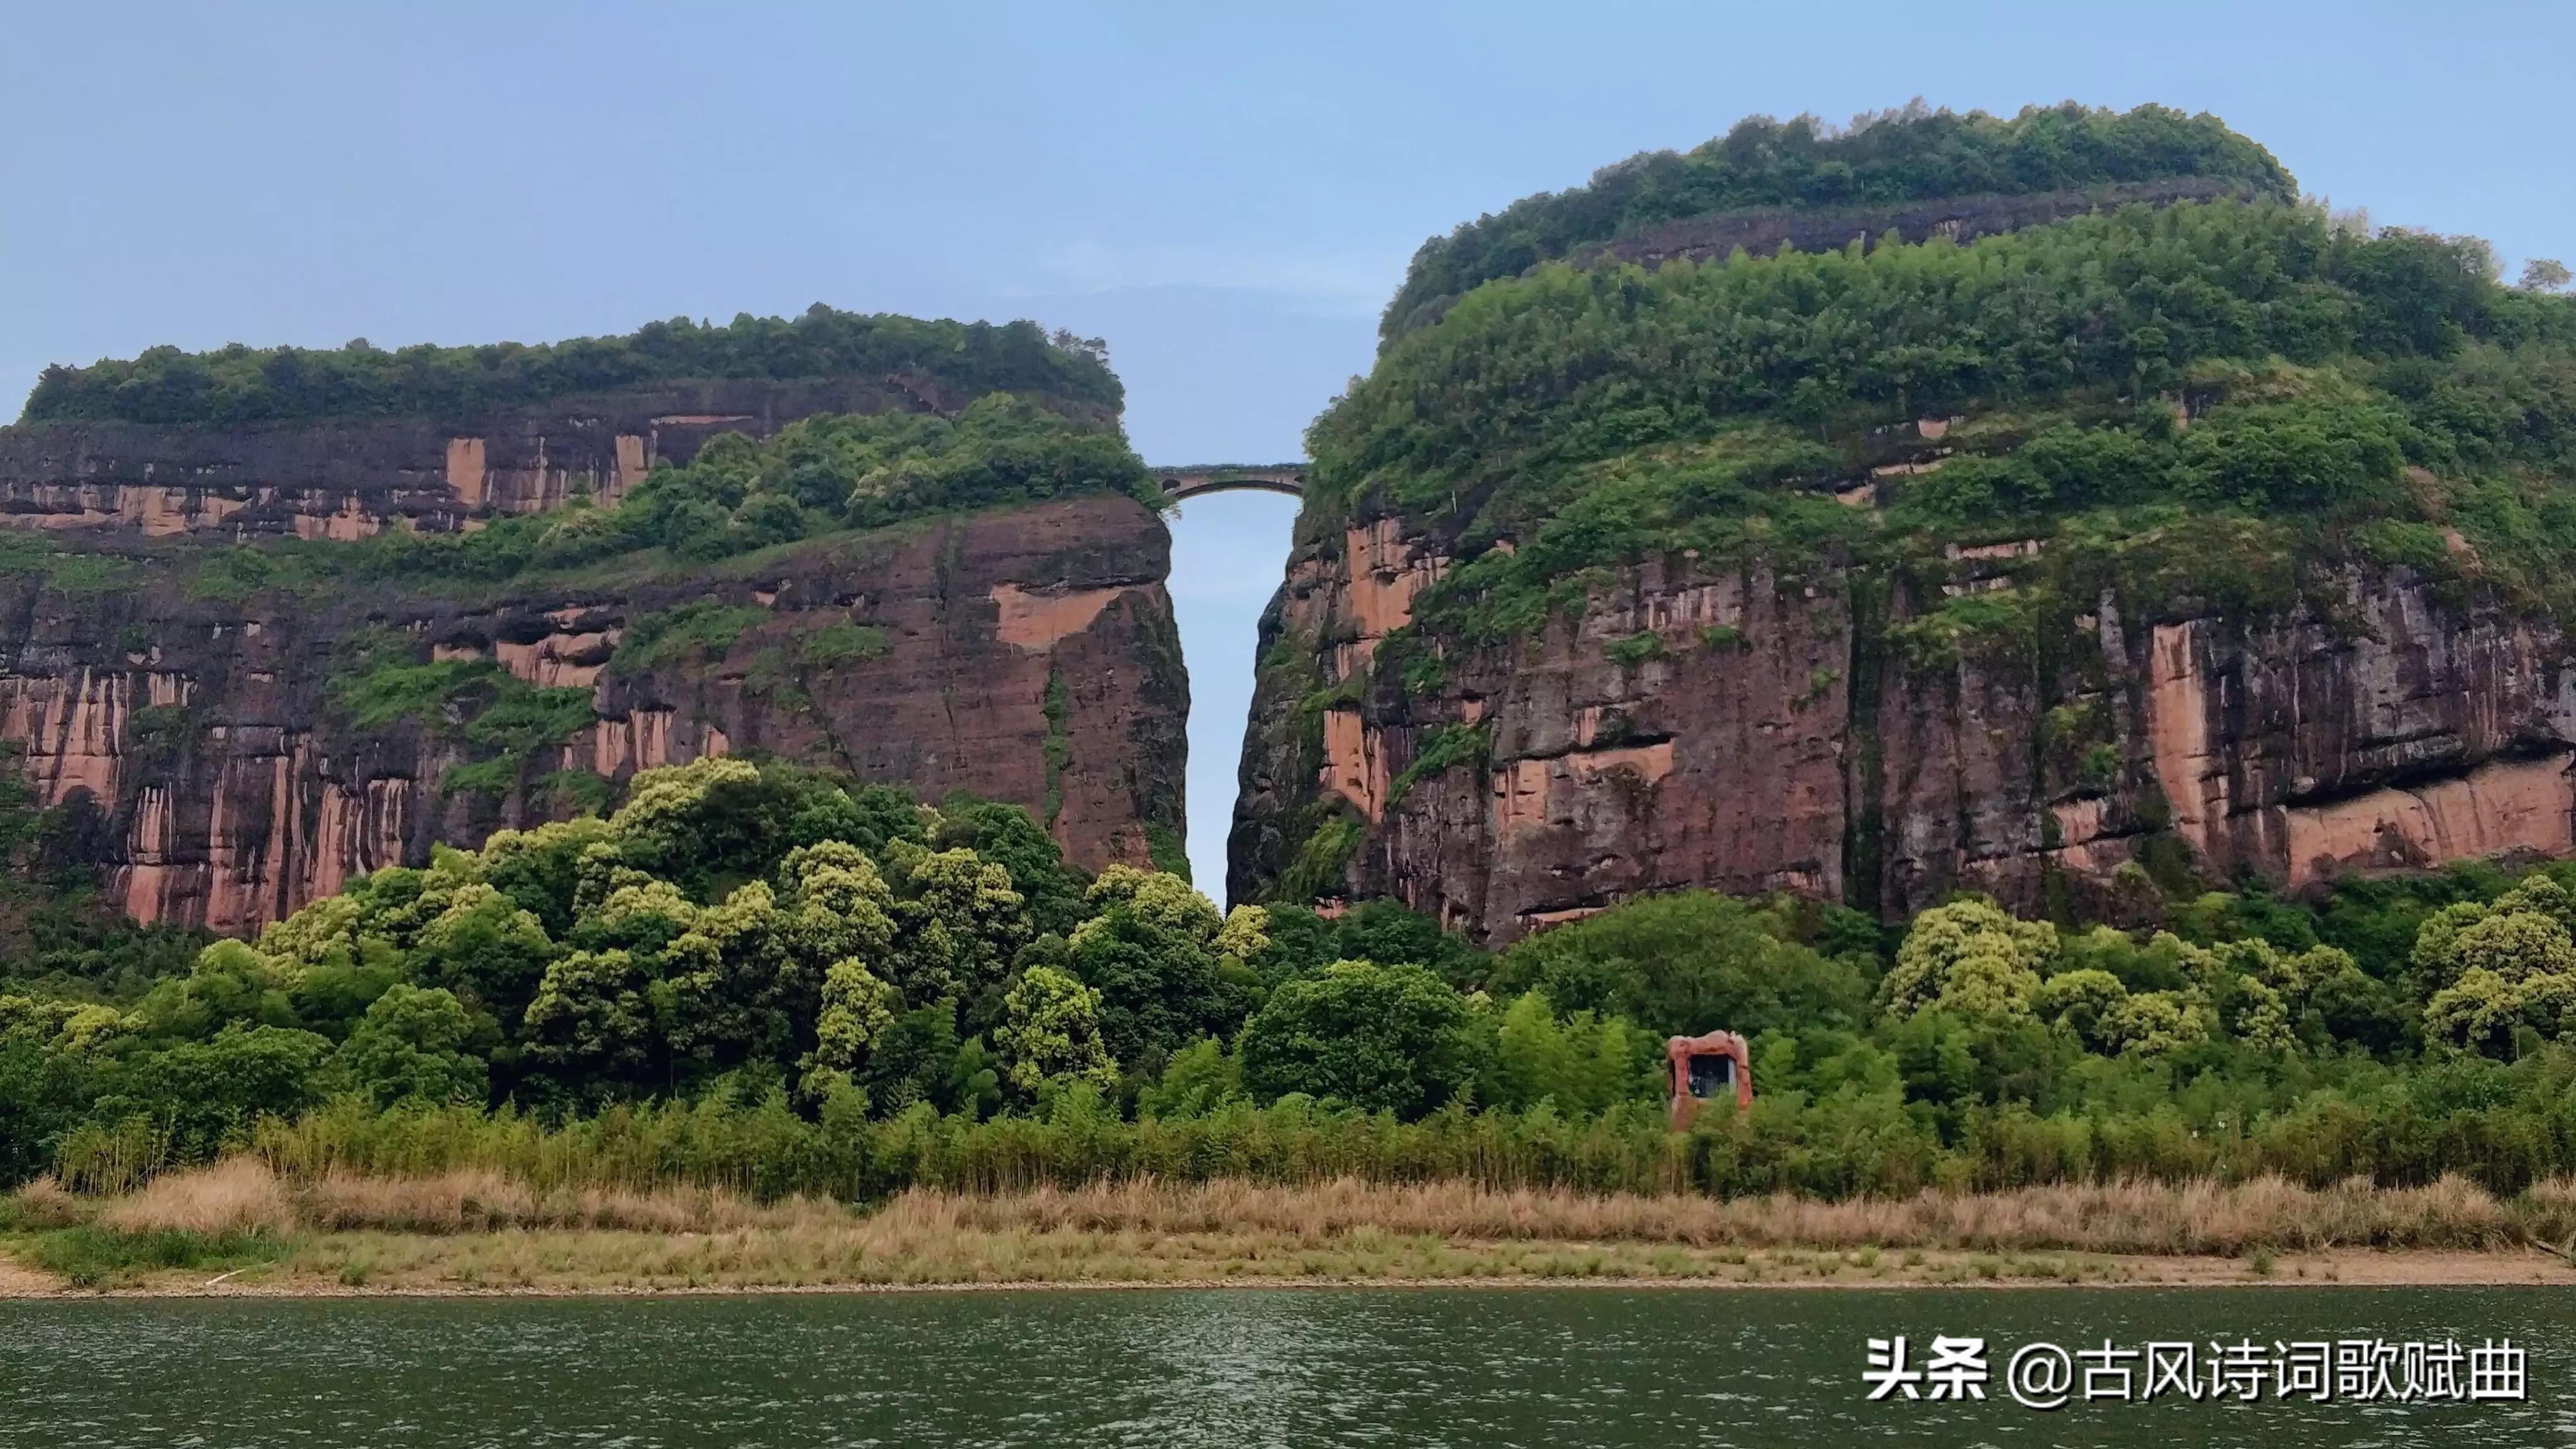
[1230,539]
[1203,478]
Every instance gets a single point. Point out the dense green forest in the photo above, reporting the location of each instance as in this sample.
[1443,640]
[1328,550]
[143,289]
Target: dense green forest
[239,384]
[1909,155]
[759,975]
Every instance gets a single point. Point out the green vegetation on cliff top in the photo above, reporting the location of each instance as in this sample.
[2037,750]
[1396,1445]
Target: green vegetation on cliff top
[740,500]
[240,384]
[815,476]
[2160,380]
[1909,155]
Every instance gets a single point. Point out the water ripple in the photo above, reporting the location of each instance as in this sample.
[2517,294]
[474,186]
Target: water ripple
[1267,1368]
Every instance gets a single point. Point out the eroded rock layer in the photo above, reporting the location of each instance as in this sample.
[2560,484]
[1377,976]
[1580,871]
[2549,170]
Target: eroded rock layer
[207,754]
[348,478]
[1747,731]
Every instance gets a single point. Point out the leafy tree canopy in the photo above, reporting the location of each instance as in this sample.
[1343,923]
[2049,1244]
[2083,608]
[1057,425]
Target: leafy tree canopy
[1906,155]
[240,384]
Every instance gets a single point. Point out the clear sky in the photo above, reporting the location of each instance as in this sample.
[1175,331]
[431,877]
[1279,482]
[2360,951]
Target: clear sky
[1226,193]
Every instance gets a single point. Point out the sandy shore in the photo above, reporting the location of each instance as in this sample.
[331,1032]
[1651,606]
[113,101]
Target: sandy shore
[520,1264]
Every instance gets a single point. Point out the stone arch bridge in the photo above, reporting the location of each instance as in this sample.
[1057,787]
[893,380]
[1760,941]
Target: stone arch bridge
[1197,478]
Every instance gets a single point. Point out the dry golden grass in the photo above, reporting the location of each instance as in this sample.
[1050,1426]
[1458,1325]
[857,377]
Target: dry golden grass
[242,1194]
[2198,1218]
[236,1195]
[477,1230]
[474,1201]
[44,1204]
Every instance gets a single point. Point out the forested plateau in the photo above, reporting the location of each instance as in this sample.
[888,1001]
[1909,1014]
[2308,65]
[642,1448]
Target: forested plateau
[2088,562]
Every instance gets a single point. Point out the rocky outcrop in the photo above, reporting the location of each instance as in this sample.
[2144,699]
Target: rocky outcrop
[1752,731]
[1026,655]
[347,478]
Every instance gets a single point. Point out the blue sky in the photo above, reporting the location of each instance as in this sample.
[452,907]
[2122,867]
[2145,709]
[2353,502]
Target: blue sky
[1226,194]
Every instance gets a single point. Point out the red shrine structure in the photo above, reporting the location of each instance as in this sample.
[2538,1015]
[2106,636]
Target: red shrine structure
[1706,1068]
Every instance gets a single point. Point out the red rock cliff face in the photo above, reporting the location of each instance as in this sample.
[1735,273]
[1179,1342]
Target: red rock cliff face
[1774,736]
[1027,655]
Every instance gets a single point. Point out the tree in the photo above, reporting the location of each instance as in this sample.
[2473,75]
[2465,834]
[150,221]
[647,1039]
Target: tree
[1380,1038]
[2497,970]
[735,988]
[2084,1001]
[412,1046]
[695,822]
[958,923]
[42,1082]
[915,1058]
[839,902]
[2544,274]
[1051,1032]
[1008,837]
[1198,1079]
[1297,942]
[321,929]
[1970,959]
[1686,963]
[2277,1000]
[1582,1063]
[332,995]
[488,949]
[207,1093]
[856,1010]
[1389,932]
[593,1017]
[400,903]
[2155,1023]
[540,869]
[1167,967]
[232,983]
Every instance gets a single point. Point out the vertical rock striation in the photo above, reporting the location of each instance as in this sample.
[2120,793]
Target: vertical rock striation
[1749,731]
[348,478]
[198,741]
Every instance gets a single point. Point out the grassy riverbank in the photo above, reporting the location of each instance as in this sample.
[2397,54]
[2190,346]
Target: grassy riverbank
[238,1227]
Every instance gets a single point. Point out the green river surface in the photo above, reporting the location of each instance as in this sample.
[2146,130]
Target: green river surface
[1504,1366]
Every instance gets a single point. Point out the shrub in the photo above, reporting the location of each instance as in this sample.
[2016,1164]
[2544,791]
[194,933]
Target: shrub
[1378,1038]
[1688,962]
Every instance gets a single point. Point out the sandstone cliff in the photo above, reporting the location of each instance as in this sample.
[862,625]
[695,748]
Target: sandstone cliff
[1028,656]
[201,742]
[1750,732]
[2107,530]
[348,478]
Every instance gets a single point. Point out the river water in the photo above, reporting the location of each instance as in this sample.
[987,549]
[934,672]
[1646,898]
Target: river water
[1481,1367]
